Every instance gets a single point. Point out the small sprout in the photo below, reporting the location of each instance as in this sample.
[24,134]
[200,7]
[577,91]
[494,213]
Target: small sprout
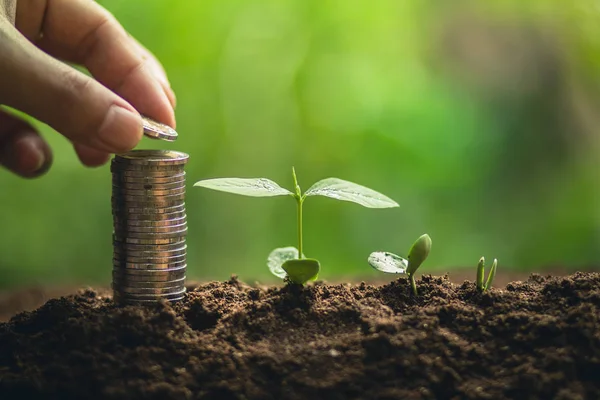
[280,260]
[393,264]
[481,286]
[302,270]
[417,254]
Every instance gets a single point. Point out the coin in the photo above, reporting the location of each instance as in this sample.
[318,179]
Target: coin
[155,175]
[146,186]
[151,279]
[149,290]
[156,130]
[134,223]
[148,273]
[171,178]
[152,158]
[149,266]
[136,230]
[147,252]
[120,209]
[148,192]
[149,296]
[151,260]
[152,247]
[180,282]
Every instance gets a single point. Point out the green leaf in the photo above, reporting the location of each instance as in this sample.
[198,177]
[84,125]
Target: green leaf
[347,191]
[277,257]
[388,262]
[300,271]
[418,253]
[254,187]
[491,275]
[480,273]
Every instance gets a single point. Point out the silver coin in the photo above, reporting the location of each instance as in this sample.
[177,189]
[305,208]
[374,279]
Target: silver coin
[127,223]
[119,209]
[118,191]
[147,290]
[145,273]
[144,179]
[152,157]
[128,235]
[139,296]
[157,241]
[164,175]
[147,208]
[117,281]
[142,303]
[149,260]
[156,130]
[136,250]
[149,266]
[152,247]
[121,168]
[158,218]
[147,199]
[135,230]
[149,277]
[144,186]
[147,256]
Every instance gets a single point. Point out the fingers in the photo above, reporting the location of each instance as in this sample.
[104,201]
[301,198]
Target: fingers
[22,149]
[89,156]
[75,105]
[82,32]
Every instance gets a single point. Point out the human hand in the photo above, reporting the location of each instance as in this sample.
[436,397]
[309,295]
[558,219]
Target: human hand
[97,115]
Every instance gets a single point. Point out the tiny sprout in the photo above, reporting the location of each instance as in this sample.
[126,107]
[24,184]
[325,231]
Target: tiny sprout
[289,263]
[393,264]
[481,286]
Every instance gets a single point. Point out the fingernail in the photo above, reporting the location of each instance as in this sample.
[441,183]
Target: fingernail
[121,129]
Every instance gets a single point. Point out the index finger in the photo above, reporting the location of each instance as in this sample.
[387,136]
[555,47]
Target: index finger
[82,32]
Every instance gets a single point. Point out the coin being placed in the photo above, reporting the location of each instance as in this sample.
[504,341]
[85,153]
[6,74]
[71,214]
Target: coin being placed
[156,130]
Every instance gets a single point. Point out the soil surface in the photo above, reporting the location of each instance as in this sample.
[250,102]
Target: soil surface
[537,339]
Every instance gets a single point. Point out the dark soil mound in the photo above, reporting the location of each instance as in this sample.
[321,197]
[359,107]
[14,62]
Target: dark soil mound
[538,339]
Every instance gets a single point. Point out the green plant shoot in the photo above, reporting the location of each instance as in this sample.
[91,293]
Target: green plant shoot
[481,285]
[289,263]
[393,264]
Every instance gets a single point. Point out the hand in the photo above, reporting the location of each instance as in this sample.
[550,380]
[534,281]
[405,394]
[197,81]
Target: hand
[97,115]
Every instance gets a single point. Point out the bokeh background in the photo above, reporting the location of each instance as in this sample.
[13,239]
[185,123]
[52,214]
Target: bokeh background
[480,118]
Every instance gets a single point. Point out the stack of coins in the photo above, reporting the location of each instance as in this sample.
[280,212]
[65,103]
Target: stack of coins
[148,203]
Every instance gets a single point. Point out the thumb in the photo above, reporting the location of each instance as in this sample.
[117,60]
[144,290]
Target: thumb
[72,103]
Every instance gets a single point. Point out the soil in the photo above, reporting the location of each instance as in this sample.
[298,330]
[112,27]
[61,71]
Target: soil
[537,339]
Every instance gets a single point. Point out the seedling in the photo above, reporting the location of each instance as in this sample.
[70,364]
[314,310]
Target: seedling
[289,263]
[481,286]
[393,264]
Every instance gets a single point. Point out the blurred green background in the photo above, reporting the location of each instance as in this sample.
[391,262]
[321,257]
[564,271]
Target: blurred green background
[481,120]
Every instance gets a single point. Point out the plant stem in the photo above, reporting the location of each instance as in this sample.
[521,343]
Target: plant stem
[413,284]
[300,201]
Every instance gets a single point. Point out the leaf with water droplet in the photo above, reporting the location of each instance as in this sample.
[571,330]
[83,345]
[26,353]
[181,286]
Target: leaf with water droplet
[254,187]
[347,191]
[388,262]
[300,271]
[278,256]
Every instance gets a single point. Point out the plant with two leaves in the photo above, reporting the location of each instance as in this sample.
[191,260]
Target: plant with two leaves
[393,264]
[289,263]
[481,286]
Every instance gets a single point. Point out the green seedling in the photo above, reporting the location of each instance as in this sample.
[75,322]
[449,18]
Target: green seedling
[481,286]
[289,263]
[393,264]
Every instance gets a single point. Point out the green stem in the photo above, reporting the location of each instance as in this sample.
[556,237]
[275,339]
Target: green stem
[413,284]
[299,201]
